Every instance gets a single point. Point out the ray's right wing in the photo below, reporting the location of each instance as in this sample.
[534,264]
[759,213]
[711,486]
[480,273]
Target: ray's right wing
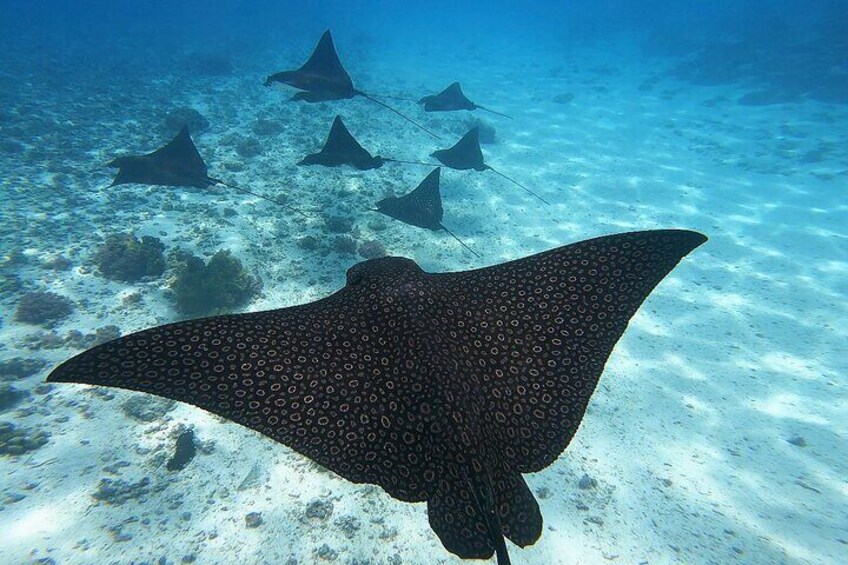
[535,333]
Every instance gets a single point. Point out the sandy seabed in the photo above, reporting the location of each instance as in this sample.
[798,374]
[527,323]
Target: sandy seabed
[717,433]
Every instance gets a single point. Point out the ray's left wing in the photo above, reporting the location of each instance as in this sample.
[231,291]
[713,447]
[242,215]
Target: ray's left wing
[335,379]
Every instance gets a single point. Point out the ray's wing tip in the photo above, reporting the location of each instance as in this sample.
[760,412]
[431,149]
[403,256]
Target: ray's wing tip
[59,375]
[689,239]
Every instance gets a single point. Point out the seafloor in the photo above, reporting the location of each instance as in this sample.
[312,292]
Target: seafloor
[717,434]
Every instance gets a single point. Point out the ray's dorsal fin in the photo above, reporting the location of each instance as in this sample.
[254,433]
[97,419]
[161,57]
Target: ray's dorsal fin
[466,154]
[438,387]
[341,148]
[422,207]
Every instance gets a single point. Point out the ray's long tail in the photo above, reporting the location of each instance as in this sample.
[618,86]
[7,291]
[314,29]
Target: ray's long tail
[407,118]
[262,196]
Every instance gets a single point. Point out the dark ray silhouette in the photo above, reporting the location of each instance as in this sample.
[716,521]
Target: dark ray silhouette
[452,98]
[441,387]
[176,164]
[422,207]
[323,78]
[341,148]
[466,154]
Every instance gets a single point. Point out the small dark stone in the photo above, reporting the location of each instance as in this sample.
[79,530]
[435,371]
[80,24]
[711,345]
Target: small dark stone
[253,520]
[586,482]
[797,441]
[184,451]
[564,98]
[544,492]
[319,509]
[16,440]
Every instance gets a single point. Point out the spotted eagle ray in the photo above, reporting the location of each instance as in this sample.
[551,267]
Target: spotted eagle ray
[323,78]
[453,98]
[341,148]
[438,387]
[178,163]
[466,154]
[422,207]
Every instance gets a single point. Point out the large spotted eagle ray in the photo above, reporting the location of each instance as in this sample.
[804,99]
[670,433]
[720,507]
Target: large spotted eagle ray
[438,387]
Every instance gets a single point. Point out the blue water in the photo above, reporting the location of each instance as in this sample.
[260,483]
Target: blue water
[718,431]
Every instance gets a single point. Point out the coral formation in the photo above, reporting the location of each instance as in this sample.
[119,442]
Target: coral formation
[10,396]
[371,249]
[179,117]
[308,242]
[20,367]
[123,257]
[220,285]
[57,263]
[119,491]
[248,147]
[338,224]
[16,441]
[45,308]
[344,244]
[267,127]
[147,409]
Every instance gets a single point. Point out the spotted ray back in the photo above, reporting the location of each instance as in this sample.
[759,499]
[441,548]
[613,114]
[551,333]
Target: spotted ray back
[438,387]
